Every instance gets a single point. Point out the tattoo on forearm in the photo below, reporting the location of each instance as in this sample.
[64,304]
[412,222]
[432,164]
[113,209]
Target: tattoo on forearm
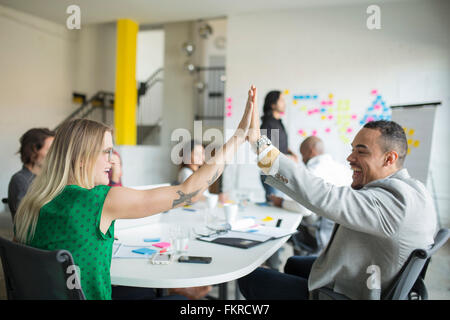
[184,198]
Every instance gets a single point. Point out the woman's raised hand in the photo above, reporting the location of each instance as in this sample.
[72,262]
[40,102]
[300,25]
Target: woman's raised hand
[254,132]
[242,130]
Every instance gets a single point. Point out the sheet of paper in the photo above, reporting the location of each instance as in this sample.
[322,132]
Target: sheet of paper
[126,251]
[271,232]
[241,235]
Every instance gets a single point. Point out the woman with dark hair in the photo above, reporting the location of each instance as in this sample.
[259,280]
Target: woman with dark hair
[273,128]
[34,145]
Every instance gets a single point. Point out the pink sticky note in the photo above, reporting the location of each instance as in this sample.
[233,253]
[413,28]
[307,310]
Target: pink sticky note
[349,130]
[229,114]
[369,119]
[162,244]
[374,92]
[354,116]
[310,112]
[316,110]
[377,107]
[323,103]
[330,103]
[300,131]
[314,132]
[327,130]
[228,99]
[330,117]
[229,107]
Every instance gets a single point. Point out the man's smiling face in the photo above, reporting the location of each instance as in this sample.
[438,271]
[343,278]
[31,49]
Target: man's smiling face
[368,159]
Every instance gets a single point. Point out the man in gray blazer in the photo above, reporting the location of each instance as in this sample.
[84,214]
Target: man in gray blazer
[380,219]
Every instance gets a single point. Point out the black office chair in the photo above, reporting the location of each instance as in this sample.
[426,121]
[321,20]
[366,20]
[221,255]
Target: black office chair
[409,284]
[37,274]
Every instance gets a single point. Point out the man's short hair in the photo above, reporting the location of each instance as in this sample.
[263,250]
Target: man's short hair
[393,137]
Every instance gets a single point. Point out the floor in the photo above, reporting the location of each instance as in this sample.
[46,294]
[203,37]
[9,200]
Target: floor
[437,279]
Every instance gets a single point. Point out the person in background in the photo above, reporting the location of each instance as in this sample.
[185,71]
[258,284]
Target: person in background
[34,145]
[192,161]
[115,174]
[272,126]
[322,165]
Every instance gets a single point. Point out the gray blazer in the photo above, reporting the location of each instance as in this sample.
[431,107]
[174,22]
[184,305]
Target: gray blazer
[377,227]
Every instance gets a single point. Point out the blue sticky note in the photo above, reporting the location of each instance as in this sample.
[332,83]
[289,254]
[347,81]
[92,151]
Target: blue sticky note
[144,251]
[187,209]
[152,239]
[262,204]
[252,230]
[314,96]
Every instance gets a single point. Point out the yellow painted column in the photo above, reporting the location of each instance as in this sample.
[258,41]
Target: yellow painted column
[126,91]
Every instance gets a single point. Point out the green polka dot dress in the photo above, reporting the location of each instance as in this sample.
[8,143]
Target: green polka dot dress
[71,221]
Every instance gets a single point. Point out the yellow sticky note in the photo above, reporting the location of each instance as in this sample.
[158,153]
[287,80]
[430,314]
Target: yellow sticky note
[286,91]
[303,108]
[411,132]
[410,142]
[416,143]
[294,102]
[323,117]
[330,96]
[409,151]
[267,219]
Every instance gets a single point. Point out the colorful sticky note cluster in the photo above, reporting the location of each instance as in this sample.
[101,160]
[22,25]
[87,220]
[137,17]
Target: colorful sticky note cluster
[377,110]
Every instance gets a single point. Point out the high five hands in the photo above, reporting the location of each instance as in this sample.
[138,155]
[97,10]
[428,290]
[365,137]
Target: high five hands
[248,129]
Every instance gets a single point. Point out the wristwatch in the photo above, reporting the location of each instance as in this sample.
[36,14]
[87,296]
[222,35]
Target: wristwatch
[264,140]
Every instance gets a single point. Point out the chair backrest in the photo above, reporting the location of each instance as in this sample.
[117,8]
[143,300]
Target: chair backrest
[413,272]
[36,274]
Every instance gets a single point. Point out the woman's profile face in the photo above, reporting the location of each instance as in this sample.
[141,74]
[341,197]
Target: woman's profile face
[103,163]
[281,104]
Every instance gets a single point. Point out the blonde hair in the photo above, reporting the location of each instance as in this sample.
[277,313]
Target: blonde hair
[70,159]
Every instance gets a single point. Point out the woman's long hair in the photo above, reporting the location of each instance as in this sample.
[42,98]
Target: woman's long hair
[70,159]
[270,99]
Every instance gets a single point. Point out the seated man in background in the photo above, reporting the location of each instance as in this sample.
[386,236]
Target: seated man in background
[380,219]
[324,166]
[34,145]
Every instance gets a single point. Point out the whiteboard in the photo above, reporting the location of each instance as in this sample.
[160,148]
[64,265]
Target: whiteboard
[418,123]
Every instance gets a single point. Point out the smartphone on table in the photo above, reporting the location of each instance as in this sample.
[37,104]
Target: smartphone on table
[193,259]
[160,258]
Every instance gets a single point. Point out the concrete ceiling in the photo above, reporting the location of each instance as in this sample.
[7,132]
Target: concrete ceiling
[161,11]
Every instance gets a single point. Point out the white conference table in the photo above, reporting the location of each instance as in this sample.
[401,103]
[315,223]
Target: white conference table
[228,263]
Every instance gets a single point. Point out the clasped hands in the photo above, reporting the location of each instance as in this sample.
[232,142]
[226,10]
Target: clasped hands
[248,129]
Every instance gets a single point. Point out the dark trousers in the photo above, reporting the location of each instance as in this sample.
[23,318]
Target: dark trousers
[267,284]
[136,293]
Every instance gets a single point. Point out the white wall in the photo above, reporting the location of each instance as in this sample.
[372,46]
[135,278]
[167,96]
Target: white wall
[150,58]
[330,50]
[37,63]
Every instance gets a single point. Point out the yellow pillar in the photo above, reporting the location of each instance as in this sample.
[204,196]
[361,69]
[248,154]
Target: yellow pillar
[126,92]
